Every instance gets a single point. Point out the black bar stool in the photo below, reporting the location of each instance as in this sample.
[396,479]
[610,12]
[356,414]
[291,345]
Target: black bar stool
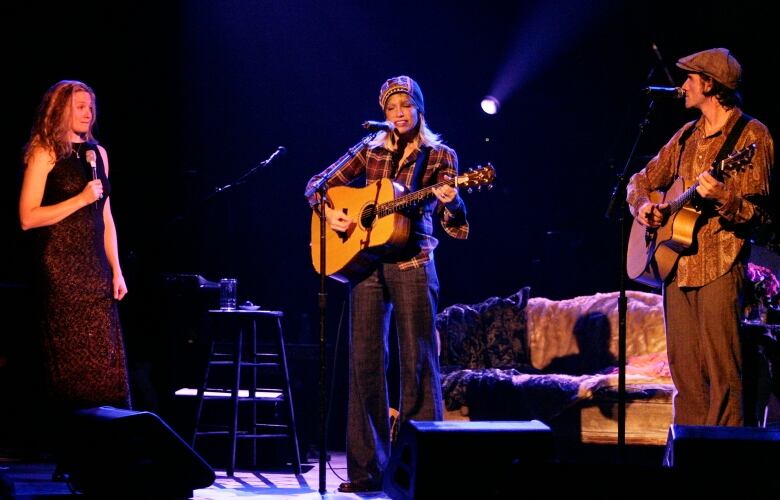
[231,329]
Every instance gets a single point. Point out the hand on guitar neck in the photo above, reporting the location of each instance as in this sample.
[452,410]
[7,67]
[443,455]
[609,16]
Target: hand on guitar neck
[712,188]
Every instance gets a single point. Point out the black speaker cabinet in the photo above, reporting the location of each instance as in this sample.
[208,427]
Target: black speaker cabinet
[707,459]
[690,446]
[486,459]
[112,453]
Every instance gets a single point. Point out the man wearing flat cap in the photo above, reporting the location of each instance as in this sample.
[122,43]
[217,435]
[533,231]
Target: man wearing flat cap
[402,283]
[702,295]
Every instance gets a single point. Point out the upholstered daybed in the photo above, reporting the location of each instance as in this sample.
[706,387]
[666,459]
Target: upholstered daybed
[518,358]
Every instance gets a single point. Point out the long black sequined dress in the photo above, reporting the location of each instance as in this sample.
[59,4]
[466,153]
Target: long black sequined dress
[83,347]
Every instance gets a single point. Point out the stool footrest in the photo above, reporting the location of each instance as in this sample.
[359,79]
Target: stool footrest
[257,354]
[261,394]
[240,434]
[244,364]
[272,426]
[261,436]
[247,399]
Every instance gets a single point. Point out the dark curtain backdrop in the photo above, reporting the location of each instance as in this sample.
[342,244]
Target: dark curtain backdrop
[193,94]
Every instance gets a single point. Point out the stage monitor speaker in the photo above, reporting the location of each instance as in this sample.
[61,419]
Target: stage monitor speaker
[111,453]
[486,459]
[693,446]
[705,459]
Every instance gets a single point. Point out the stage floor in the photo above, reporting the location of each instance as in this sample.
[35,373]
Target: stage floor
[32,479]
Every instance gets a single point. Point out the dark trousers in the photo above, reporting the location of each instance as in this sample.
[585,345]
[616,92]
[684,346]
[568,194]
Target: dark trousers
[705,355]
[411,296]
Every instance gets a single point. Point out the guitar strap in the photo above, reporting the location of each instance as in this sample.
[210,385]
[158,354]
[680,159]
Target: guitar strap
[731,140]
[683,139]
[420,165]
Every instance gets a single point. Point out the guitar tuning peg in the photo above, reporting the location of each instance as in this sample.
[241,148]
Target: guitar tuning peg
[490,186]
[470,190]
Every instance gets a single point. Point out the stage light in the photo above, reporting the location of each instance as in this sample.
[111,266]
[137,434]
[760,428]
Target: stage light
[490,105]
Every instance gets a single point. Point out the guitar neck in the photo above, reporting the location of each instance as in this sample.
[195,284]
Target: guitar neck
[732,162]
[682,200]
[409,200]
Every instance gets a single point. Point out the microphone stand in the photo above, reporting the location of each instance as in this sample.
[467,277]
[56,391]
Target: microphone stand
[321,188]
[618,208]
[281,150]
[172,222]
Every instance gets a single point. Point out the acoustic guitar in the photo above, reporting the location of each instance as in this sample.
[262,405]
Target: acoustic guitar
[380,225]
[653,252]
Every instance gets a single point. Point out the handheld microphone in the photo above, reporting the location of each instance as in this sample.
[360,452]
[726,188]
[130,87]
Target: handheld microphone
[92,160]
[373,126]
[670,92]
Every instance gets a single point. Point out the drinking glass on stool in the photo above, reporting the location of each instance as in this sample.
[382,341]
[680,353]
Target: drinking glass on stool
[227,294]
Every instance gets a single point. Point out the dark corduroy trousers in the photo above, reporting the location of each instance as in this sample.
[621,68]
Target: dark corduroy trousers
[704,349]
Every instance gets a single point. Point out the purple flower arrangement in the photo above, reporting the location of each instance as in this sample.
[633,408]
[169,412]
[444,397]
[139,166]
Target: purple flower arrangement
[761,292]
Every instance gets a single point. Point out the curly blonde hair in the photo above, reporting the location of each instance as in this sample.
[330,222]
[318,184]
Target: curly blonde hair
[52,122]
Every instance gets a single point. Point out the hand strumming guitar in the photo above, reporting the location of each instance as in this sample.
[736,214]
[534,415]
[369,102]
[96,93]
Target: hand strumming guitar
[338,220]
[652,214]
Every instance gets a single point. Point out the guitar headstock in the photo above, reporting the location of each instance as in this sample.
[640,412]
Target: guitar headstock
[736,160]
[477,177]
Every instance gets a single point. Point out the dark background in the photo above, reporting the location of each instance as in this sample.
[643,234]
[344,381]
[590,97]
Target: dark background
[193,94]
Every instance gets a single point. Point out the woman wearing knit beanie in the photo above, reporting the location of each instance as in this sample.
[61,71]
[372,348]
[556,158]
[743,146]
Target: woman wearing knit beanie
[402,284]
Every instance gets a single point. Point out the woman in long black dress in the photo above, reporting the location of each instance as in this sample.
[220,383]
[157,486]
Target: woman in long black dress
[65,203]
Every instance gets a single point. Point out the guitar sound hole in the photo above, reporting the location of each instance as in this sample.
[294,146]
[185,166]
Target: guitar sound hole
[368,215]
